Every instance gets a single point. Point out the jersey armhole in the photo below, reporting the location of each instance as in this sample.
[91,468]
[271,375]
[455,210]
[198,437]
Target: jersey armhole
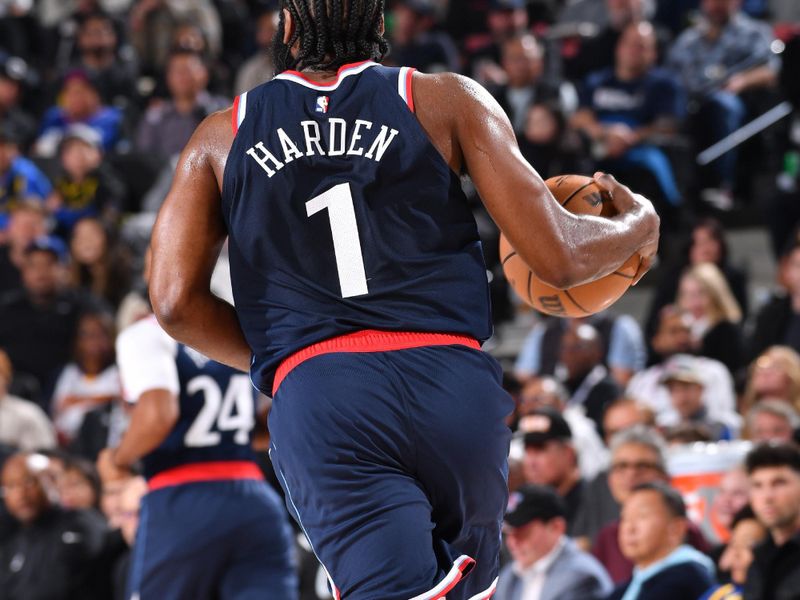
[405,80]
[238,111]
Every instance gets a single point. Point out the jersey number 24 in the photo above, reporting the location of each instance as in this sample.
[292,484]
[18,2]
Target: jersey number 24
[231,412]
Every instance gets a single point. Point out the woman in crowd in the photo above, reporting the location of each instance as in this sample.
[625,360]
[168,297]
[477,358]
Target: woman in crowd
[706,297]
[775,374]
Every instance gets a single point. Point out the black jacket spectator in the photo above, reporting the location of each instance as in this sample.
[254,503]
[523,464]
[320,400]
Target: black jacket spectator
[775,572]
[687,580]
[54,558]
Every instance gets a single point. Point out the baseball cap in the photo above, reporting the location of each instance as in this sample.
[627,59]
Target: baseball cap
[542,425]
[533,503]
[506,4]
[48,243]
[684,368]
[83,132]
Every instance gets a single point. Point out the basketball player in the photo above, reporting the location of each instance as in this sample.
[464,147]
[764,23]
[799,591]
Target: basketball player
[209,526]
[361,293]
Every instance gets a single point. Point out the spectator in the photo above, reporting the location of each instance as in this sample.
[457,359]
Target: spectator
[99,264]
[731,497]
[623,346]
[20,179]
[628,105]
[715,314]
[54,552]
[775,374]
[746,533]
[15,75]
[23,425]
[79,485]
[547,392]
[504,19]
[706,244]
[775,497]
[717,59]
[522,59]
[586,378]
[778,321]
[772,420]
[37,323]
[547,564]
[166,127]
[550,458]
[26,222]
[683,378]
[85,185]
[258,68]
[415,42]
[652,529]
[623,414]
[597,52]
[80,102]
[637,456]
[99,54]
[91,379]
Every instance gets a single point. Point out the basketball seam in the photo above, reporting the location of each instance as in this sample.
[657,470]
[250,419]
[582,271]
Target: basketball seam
[568,295]
[626,276]
[509,257]
[572,195]
[530,280]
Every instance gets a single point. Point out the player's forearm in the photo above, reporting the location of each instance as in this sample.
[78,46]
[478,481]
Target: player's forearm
[153,418]
[207,324]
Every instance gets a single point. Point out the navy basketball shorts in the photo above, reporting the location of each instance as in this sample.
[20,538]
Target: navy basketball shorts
[394,464]
[213,540]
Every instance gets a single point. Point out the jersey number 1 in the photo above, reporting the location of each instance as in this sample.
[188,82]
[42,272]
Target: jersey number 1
[346,242]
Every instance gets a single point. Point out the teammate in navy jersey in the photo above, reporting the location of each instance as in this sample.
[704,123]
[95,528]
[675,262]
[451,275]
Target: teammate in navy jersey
[209,526]
[361,294]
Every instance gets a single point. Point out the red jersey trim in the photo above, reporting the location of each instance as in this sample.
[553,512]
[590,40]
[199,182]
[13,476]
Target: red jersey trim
[206,471]
[235,115]
[370,340]
[409,89]
[334,83]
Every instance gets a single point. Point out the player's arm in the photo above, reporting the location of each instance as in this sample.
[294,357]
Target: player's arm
[562,249]
[186,242]
[146,361]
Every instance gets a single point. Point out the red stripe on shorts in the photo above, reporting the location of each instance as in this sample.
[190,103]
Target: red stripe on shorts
[370,340]
[206,471]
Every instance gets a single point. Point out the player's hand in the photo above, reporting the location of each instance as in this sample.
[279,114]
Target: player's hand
[625,201]
[107,469]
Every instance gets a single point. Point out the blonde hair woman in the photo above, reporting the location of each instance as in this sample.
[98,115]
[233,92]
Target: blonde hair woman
[706,297]
[774,374]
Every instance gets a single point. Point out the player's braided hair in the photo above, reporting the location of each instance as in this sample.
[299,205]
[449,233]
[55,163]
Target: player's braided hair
[332,33]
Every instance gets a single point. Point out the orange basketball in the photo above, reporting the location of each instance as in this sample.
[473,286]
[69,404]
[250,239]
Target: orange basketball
[579,195]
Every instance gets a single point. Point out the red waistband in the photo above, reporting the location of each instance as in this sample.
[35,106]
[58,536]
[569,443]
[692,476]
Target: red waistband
[206,471]
[370,340]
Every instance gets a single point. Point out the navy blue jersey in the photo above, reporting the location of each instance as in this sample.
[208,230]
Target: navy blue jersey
[343,216]
[217,403]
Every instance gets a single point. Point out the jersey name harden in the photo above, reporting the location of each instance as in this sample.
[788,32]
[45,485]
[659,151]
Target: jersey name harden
[343,139]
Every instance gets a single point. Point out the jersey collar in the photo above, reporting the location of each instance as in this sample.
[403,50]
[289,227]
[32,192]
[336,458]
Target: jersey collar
[343,72]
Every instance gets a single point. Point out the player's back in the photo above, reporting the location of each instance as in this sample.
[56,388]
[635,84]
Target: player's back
[217,404]
[343,216]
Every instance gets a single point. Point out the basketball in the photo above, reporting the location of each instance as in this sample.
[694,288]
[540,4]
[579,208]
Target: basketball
[580,195]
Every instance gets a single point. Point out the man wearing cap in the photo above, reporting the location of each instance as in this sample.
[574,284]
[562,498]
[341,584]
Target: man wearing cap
[20,179]
[547,564]
[37,323]
[503,19]
[685,384]
[550,457]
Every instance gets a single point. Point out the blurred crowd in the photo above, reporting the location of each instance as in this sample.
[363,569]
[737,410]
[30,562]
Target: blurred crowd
[97,99]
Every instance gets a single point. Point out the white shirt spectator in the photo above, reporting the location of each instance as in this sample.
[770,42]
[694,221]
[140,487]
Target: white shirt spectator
[534,576]
[92,389]
[24,425]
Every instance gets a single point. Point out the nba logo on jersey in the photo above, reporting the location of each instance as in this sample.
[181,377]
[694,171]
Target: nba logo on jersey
[322,104]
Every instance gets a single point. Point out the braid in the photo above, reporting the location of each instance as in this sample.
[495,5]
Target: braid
[331,33]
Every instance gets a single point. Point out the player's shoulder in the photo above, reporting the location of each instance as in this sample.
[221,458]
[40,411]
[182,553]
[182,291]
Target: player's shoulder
[145,333]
